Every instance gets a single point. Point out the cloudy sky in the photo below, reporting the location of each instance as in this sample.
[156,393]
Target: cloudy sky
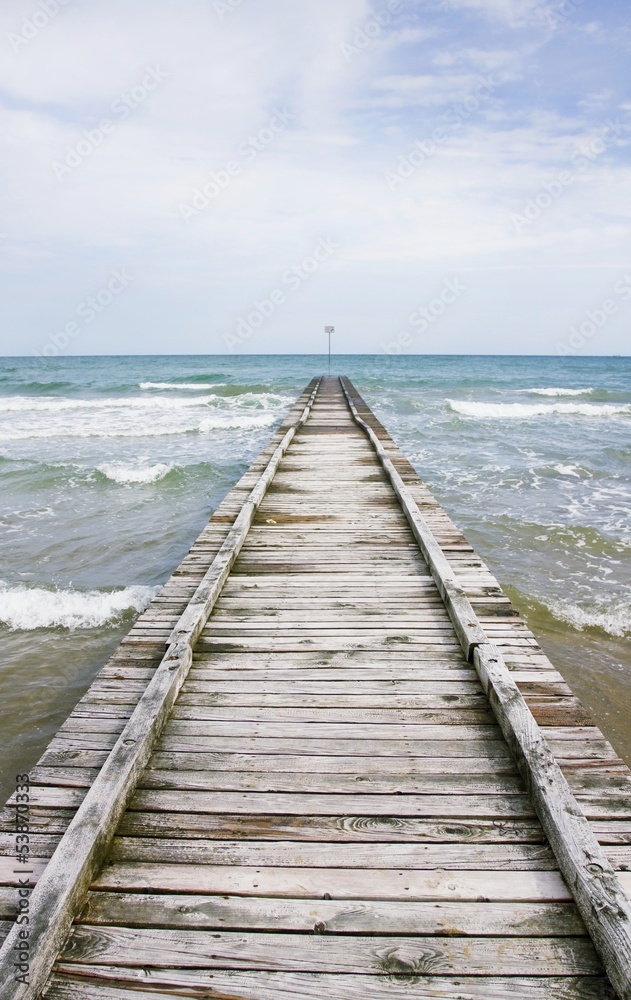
[214,176]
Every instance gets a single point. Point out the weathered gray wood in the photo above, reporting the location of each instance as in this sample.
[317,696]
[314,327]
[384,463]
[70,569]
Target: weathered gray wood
[62,887]
[329,953]
[418,857]
[496,806]
[339,917]
[63,769]
[345,883]
[323,747]
[315,986]
[349,784]
[340,829]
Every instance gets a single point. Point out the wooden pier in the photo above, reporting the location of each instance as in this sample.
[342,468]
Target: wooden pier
[313,768]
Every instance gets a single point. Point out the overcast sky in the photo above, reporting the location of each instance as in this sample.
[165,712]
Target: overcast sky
[214,176]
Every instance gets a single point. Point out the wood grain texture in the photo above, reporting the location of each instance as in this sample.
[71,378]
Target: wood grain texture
[103,983]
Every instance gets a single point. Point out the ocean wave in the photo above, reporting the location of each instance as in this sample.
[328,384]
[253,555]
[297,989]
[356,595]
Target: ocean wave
[126,474]
[138,416]
[522,411]
[249,399]
[196,386]
[236,421]
[557,392]
[36,388]
[25,608]
[220,421]
[616,620]
[25,404]
[53,433]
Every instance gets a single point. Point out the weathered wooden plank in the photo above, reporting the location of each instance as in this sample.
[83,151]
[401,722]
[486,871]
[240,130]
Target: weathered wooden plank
[332,784]
[328,953]
[50,822]
[62,766]
[380,829]
[306,986]
[426,886]
[494,806]
[319,747]
[317,730]
[419,857]
[333,917]
[448,715]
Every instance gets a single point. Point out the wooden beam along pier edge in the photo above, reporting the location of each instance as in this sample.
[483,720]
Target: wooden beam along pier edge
[328,760]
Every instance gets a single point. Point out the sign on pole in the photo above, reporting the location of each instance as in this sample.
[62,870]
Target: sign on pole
[329,330]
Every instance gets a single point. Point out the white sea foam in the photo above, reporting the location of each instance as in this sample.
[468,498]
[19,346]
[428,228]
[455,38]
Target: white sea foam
[615,620]
[141,416]
[567,470]
[25,608]
[48,404]
[236,421]
[22,404]
[181,385]
[521,411]
[557,392]
[126,473]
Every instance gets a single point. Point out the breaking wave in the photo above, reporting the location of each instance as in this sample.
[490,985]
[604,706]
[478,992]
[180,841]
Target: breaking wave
[557,392]
[615,621]
[126,473]
[26,608]
[196,386]
[148,416]
[522,411]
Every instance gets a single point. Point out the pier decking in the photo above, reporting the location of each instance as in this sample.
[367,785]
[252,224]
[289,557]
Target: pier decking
[316,794]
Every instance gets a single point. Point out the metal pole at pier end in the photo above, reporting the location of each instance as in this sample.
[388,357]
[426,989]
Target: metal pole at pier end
[329,330]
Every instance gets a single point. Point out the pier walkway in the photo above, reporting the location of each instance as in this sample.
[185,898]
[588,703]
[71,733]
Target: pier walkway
[311,770]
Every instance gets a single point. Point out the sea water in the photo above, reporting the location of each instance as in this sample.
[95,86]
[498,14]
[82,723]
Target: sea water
[109,468]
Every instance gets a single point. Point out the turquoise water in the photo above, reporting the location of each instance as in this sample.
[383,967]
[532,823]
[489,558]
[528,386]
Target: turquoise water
[109,467]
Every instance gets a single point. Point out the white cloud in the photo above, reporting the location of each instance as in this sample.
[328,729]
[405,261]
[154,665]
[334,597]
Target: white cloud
[322,175]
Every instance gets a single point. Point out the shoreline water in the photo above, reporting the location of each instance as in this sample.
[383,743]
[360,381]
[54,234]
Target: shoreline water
[109,469]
